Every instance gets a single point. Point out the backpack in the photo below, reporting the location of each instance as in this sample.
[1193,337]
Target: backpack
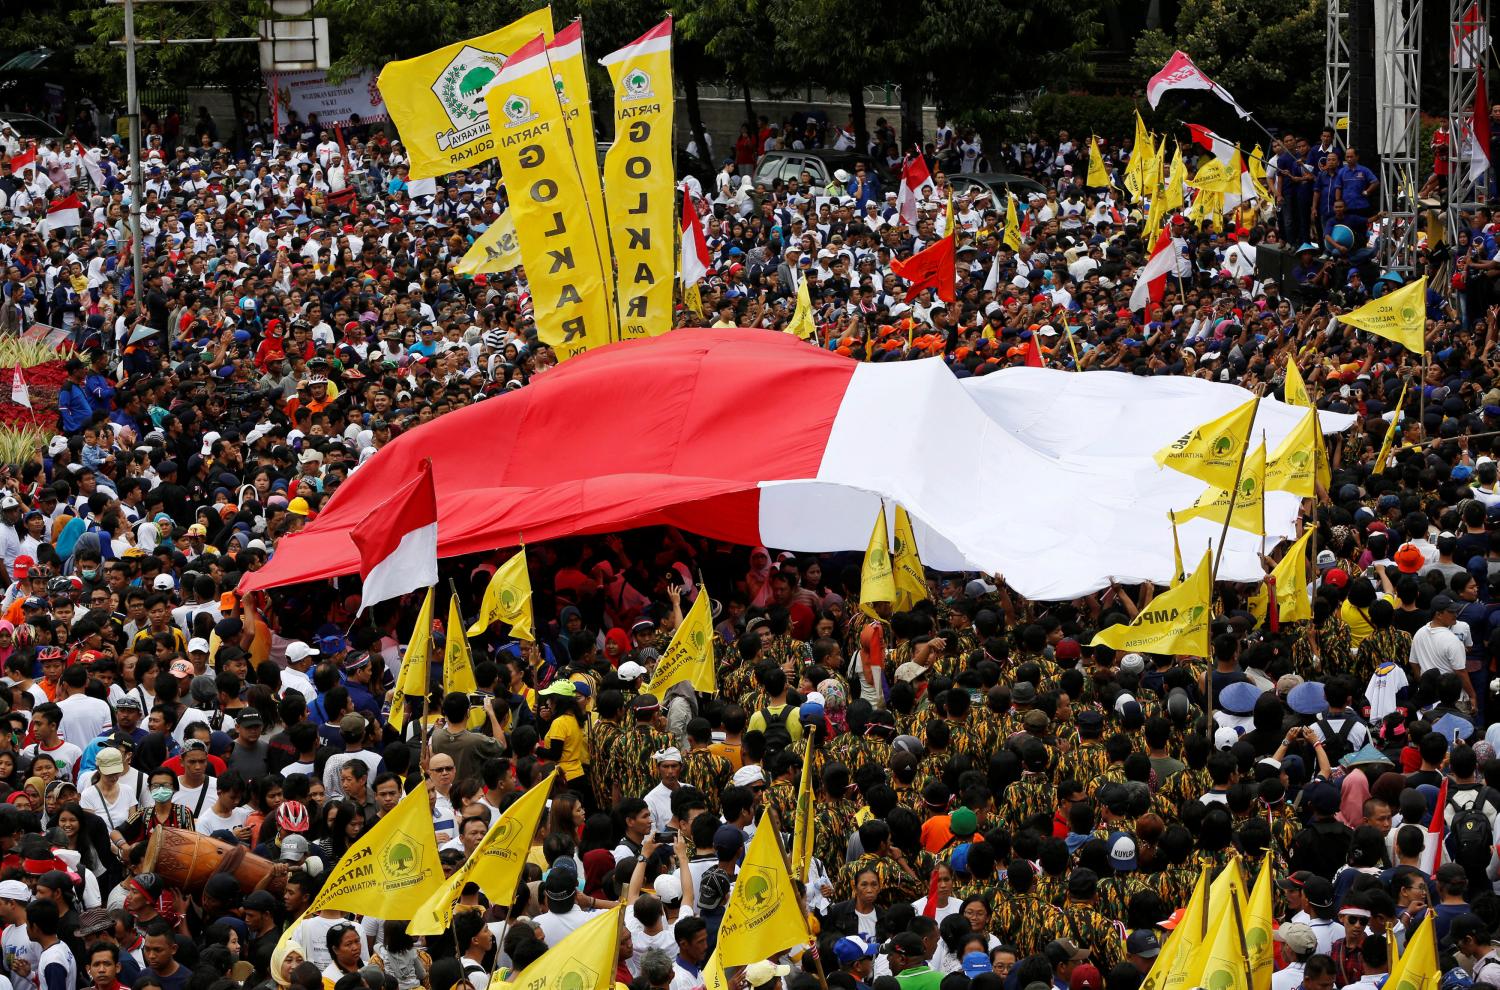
[1336,741]
[1470,836]
[777,735]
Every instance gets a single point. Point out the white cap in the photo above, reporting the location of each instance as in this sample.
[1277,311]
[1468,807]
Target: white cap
[669,755]
[199,645]
[668,888]
[209,439]
[297,651]
[15,890]
[163,582]
[1225,737]
[1047,330]
[747,775]
[758,974]
[630,670]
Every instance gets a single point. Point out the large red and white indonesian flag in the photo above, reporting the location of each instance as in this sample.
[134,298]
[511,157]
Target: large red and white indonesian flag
[1181,73]
[398,541]
[674,431]
[64,212]
[694,259]
[916,184]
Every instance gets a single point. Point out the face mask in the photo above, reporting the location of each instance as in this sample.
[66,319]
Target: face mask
[161,795]
[88,575]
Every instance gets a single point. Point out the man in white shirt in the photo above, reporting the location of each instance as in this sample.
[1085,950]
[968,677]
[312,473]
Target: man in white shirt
[83,717]
[1436,647]
[659,799]
[295,676]
[198,791]
[564,914]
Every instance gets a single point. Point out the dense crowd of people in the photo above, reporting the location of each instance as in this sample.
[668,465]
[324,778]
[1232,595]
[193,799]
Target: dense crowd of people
[1004,806]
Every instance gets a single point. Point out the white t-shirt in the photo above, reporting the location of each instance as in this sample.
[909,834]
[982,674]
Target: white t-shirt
[66,754]
[114,812]
[211,821]
[84,718]
[556,927]
[188,797]
[19,948]
[1437,648]
[57,954]
[663,940]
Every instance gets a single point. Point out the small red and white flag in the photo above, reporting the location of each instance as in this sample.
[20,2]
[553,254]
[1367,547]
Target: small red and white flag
[64,211]
[916,182]
[95,173]
[398,541]
[23,160]
[1471,39]
[1217,146]
[1034,358]
[693,264]
[1437,830]
[1151,280]
[1477,141]
[19,393]
[1181,73]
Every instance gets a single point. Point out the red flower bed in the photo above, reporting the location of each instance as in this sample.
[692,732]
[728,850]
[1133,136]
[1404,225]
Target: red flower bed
[43,381]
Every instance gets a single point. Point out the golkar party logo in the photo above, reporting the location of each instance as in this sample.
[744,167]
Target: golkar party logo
[637,83]
[402,857]
[517,111]
[460,89]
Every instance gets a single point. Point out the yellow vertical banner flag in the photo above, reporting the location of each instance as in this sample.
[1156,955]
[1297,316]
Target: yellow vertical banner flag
[1012,238]
[494,251]
[641,184]
[1256,166]
[690,655]
[560,244]
[802,323]
[412,678]
[1417,969]
[1292,601]
[1293,466]
[437,100]
[570,76]
[1224,966]
[804,828]
[1169,972]
[1390,434]
[1228,887]
[495,865]
[1259,922]
[1243,505]
[1211,451]
[1172,188]
[507,598]
[1294,388]
[458,664]
[391,869]
[908,573]
[877,582]
[582,960]
[1138,179]
[1176,621]
[764,915]
[1098,177]
[1178,574]
[1400,315]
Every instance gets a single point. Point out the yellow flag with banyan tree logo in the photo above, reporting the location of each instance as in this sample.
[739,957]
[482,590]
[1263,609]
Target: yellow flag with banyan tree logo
[1169,971]
[877,582]
[1400,316]
[641,185]
[494,251]
[690,655]
[437,101]
[763,916]
[558,238]
[412,678]
[1293,467]
[909,575]
[1211,452]
[1224,964]
[1244,506]
[391,870]
[1176,621]
[507,598]
[1260,921]
[1098,177]
[582,960]
[495,864]
[1290,575]
[458,665]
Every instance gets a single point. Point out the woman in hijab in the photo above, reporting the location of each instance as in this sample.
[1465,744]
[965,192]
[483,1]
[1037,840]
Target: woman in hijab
[835,701]
[598,864]
[1353,792]
[7,640]
[758,578]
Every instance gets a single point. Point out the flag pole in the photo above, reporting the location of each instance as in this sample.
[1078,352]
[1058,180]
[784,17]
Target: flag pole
[1263,497]
[426,751]
[1239,471]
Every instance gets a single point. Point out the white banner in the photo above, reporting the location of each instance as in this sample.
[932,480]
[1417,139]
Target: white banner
[310,93]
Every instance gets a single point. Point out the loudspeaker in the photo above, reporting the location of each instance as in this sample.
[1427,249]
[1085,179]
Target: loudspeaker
[1362,93]
[1275,263]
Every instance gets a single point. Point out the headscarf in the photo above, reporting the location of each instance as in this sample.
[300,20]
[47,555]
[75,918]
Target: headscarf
[621,639]
[67,540]
[145,536]
[1388,787]
[835,700]
[597,866]
[7,626]
[285,947]
[758,579]
[1352,796]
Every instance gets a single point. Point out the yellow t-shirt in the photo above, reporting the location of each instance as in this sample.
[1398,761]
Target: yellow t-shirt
[1357,621]
[567,730]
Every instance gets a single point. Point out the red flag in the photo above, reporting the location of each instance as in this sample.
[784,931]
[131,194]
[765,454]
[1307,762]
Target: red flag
[23,159]
[338,131]
[1212,142]
[1151,280]
[929,910]
[914,179]
[930,268]
[398,541]
[1034,353]
[1478,150]
[1438,825]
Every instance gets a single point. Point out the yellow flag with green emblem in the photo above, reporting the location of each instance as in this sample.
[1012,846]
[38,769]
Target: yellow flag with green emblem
[1293,466]
[507,598]
[412,678]
[1172,188]
[1260,921]
[690,655]
[1217,177]
[1176,621]
[1294,387]
[763,916]
[877,582]
[910,577]
[1292,601]
[1224,966]
[1012,238]
[1417,969]
[1098,177]
[389,871]
[1400,316]
[802,323]
[495,864]
[582,960]
[458,664]
[1390,434]
[494,251]
[1244,505]
[1211,452]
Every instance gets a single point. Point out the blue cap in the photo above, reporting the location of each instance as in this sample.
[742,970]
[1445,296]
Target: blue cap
[1462,472]
[976,964]
[810,711]
[1307,699]
[1239,699]
[851,949]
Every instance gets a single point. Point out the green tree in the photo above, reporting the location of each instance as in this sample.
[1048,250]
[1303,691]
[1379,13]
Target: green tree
[1259,50]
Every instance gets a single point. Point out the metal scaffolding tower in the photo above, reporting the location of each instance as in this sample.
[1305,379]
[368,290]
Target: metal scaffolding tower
[1469,62]
[1336,78]
[1398,77]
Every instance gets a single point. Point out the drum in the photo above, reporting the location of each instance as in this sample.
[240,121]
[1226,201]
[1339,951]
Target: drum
[185,860]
